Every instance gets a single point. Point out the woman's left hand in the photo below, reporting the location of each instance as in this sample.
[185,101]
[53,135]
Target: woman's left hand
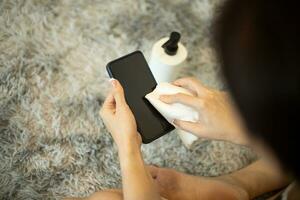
[137,183]
[119,119]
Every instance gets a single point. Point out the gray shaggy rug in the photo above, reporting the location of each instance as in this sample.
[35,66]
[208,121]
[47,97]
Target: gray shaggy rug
[53,80]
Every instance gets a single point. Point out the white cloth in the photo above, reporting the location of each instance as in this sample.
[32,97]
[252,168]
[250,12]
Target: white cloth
[175,110]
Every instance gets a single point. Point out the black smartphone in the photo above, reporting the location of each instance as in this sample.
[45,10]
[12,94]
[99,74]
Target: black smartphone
[134,74]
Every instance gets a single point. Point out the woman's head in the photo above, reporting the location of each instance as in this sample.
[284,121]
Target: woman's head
[259,47]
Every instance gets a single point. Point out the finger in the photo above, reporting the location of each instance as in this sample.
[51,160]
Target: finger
[118,93]
[185,99]
[190,83]
[192,127]
[109,102]
[109,105]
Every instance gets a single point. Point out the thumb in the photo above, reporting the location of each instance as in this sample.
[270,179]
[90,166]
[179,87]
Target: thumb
[118,93]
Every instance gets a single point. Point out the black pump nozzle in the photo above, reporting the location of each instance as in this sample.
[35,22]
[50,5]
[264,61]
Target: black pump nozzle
[171,46]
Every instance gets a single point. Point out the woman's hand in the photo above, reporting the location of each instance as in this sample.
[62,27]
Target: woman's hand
[218,118]
[120,122]
[119,119]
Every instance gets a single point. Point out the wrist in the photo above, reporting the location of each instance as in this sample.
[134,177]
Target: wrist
[129,148]
[236,124]
[129,155]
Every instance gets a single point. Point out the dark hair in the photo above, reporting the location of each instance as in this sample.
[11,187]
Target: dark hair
[259,48]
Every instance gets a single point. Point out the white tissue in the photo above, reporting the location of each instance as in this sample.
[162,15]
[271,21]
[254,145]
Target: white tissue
[175,110]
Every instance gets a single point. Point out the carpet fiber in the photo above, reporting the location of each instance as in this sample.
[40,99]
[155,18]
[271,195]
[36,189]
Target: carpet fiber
[53,81]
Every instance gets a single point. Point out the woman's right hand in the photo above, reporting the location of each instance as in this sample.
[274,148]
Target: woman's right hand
[218,118]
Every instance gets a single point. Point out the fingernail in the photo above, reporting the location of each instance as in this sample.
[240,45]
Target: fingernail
[161,97]
[175,122]
[113,82]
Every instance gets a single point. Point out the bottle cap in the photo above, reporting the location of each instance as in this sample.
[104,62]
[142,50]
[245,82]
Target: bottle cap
[171,46]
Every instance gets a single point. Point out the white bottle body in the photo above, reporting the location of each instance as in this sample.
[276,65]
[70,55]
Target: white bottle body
[163,66]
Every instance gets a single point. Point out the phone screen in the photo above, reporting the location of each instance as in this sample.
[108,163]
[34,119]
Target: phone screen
[134,74]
